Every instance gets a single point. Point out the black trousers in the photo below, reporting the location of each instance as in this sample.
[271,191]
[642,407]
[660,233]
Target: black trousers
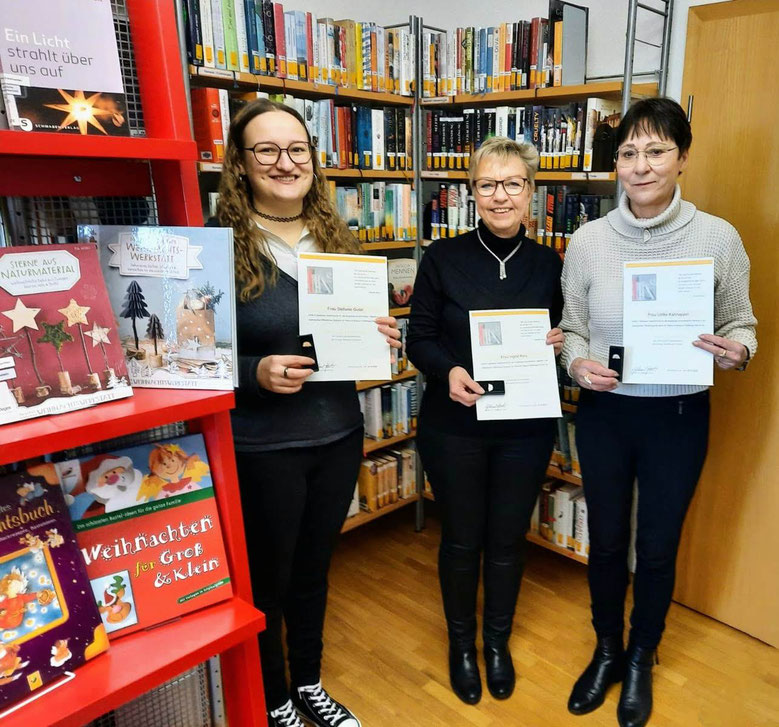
[661,442]
[486,490]
[294,504]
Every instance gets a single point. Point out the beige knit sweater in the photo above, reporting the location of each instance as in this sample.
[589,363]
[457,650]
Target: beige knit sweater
[592,279]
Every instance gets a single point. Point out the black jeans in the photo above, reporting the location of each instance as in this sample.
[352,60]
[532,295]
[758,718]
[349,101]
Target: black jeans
[294,504]
[661,441]
[486,490]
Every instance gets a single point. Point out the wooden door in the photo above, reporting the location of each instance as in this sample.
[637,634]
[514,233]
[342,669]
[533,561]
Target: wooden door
[729,560]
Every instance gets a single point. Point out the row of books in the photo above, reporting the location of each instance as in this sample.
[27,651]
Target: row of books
[565,455]
[96,547]
[260,37]
[377,211]
[452,212]
[568,138]
[525,54]
[387,478]
[558,211]
[569,389]
[390,410]
[398,274]
[560,516]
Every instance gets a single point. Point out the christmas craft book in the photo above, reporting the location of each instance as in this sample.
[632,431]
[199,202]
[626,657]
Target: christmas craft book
[147,525]
[173,292]
[58,341]
[49,623]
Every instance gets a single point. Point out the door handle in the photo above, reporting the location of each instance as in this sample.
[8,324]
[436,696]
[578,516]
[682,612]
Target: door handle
[690,99]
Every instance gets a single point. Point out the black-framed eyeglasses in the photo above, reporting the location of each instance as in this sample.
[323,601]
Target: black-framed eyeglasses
[512,186]
[267,153]
[655,156]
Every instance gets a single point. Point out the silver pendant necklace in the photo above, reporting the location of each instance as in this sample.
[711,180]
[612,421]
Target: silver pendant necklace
[502,273]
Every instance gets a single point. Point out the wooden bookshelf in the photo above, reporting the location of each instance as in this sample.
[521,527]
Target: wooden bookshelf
[428,496]
[216,168]
[544,543]
[558,474]
[400,311]
[365,517]
[200,76]
[541,176]
[388,245]
[371,445]
[562,94]
[572,408]
[410,374]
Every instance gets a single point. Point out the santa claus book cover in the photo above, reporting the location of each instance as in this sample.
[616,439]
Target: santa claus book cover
[172,290]
[49,624]
[148,528]
[59,349]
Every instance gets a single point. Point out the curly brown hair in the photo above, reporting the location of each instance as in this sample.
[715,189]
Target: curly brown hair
[254,264]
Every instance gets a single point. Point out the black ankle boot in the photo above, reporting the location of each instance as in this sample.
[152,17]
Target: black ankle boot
[635,702]
[497,657]
[606,668]
[500,670]
[464,673]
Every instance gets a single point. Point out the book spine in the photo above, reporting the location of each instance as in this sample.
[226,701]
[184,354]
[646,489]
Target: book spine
[194,33]
[301,44]
[400,137]
[217,22]
[231,36]
[207,28]
[281,42]
[241,36]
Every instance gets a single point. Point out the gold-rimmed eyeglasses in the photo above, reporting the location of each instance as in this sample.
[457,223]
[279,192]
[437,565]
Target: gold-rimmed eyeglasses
[512,186]
[267,153]
[655,156]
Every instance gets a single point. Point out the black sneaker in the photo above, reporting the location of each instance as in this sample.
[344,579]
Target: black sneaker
[318,707]
[285,716]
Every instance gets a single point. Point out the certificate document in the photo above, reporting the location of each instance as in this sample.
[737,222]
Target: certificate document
[667,305]
[510,346]
[340,296]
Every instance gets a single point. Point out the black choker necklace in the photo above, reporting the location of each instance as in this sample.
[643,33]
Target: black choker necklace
[273,218]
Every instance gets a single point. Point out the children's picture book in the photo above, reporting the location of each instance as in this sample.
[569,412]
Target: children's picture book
[59,349]
[172,290]
[60,68]
[49,623]
[148,528]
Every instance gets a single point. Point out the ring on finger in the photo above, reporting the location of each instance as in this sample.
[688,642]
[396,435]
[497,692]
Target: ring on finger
[587,379]
[285,372]
[723,353]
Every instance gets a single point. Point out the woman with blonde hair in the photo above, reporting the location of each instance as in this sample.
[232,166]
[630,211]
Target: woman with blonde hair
[486,475]
[298,445]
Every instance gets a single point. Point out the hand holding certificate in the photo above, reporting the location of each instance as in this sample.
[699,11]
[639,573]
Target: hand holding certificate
[509,346]
[340,297]
[667,305]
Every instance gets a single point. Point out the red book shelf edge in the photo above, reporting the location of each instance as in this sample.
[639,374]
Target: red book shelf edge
[141,661]
[74,145]
[147,408]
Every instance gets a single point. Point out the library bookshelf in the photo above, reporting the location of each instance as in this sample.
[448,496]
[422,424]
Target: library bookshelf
[158,164]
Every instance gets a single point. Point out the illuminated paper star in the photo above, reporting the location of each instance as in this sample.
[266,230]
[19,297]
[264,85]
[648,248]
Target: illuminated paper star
[75,313]
[80,109]
[98,334]
[22,316]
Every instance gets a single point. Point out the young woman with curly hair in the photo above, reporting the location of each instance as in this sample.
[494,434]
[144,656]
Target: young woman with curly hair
[298,445]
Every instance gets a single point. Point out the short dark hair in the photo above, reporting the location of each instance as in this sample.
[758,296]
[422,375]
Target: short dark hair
[661,116]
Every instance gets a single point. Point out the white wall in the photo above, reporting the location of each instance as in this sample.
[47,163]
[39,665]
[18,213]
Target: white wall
[608,25]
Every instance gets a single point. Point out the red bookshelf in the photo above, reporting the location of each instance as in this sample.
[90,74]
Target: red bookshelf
[160,163]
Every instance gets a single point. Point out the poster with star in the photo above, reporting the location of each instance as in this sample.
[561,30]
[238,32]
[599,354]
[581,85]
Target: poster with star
[59,68]
[59,348]
[173,292]
[49,621]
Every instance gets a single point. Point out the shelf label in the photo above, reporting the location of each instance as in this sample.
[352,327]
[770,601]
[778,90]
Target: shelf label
[600,175]
[578,175]
[432,100]
[216,73]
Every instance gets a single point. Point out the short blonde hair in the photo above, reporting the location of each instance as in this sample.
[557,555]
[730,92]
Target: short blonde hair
[505,149]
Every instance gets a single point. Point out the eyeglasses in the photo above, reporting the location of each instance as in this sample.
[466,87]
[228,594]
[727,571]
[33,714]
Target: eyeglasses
[655,156]
[267,153]
[512,186]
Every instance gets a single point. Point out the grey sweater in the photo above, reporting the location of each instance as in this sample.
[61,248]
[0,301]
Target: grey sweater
[592,279]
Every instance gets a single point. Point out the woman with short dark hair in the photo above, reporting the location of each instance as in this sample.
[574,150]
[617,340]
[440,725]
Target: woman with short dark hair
[655,433]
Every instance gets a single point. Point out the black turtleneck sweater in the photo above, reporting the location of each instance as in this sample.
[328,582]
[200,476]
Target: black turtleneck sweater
[457,276]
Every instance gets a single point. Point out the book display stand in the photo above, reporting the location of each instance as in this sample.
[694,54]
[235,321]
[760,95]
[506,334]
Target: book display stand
[157,167]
